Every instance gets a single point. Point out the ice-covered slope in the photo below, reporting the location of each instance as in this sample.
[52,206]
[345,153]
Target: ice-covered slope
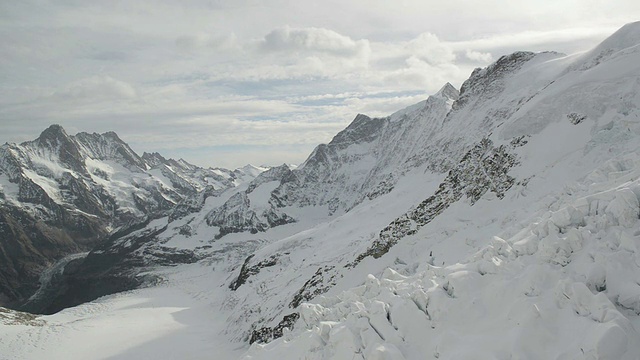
[564,286]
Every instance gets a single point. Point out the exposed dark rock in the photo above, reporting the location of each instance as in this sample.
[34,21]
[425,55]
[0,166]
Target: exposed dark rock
[113,266]
[485,83]
[266,334]
[28,245]
[483,168]
[187,178]
[236,215]
[54,139]
[193,204]
[575,118]
[12,317]
[519,141]
[280,173]
[319,283]
[249,270]
[109,146]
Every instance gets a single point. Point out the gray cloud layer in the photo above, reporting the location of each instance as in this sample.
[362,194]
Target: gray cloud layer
[224,83]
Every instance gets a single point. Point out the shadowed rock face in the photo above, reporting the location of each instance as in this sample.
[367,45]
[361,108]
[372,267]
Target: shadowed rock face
[55,139]
[485,83]
[28,244]
[238,214]
[266,334]
[112,266]
[484,168]
[363,161]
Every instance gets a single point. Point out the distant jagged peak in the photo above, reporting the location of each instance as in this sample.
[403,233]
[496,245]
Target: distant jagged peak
[54,135]
[54,143]
[505,64]
[109,146]
[151,155]
[181,163]
[111,135]
[284,167]
[54,129]
[277,173]
[485,82]
[106,140]
[253,169]
[363,129]
[448,91]
[153,159]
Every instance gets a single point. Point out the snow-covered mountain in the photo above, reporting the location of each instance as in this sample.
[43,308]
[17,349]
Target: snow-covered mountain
[500,221]
[62,194]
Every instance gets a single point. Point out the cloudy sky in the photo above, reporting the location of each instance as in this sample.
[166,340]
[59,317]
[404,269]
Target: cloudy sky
[230,82]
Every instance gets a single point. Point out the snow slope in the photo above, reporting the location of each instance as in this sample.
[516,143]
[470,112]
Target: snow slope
[563,287]
[158,323]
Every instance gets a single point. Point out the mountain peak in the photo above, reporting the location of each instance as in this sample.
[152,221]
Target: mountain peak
[487,80]
[626,36]
[111,135]
[448,91]
[55,139]
[153,159]
[53,132]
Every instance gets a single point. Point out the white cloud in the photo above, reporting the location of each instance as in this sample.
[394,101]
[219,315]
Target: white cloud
[95,88]
[429,48]
[553,39]
[420,74]
[164,73]
[315,40]
[198,42]
[477,56]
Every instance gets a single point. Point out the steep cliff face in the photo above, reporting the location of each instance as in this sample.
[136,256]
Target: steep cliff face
[238,215]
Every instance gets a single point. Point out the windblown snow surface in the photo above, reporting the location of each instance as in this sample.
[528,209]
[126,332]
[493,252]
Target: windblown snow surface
[549,269]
